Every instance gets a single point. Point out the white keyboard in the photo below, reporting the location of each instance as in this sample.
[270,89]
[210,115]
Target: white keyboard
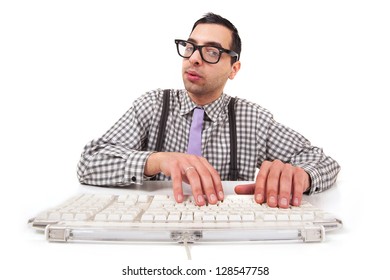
[103,217]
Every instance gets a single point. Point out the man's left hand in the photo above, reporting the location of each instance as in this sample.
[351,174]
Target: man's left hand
[277,183]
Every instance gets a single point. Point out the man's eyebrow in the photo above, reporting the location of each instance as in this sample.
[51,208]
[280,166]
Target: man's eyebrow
[209,43]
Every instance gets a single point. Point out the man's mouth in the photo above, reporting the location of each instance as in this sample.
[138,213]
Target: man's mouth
[192,75]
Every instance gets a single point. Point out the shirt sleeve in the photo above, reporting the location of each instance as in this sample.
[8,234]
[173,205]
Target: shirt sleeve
[289,146]
[118,158]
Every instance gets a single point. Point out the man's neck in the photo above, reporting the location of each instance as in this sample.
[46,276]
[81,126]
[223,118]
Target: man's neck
[203,100]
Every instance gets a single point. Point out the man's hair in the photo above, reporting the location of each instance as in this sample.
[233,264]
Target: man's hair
[216,19]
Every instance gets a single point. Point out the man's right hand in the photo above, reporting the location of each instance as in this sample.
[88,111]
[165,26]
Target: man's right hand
[191,169]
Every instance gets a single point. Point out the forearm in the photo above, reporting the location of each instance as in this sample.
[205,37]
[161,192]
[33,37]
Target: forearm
[111,165]
[289,146]
[118,158]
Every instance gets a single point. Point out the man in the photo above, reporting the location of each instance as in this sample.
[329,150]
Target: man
[289,165]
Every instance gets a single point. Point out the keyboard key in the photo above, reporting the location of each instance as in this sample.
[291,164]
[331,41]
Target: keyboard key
[174,217]
[67,216]
[248,216]
[269,217]
[187,217]
[308,216]
[100,217]
[234,217]
[122,198]
[160,217]
[128,217]
[163,197]
[208,218]
[282,217]
[54,216]
[222,216]
[143,198]
[295,216]
[147,217]
[114,217]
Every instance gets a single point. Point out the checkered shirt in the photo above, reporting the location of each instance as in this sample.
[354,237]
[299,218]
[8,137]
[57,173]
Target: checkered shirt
[118,158]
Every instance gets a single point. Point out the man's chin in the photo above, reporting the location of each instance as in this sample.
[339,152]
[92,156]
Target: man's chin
[193,88]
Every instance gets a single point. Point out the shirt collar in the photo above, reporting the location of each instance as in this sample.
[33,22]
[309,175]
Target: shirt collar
[215,110]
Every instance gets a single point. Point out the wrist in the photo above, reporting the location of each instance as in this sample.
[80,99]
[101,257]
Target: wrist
[308,183]
[152,165]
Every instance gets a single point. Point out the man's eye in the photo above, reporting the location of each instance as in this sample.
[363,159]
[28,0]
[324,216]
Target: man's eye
[212,52]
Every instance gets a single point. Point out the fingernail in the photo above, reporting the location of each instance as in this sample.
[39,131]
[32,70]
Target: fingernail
[220,195]
[284,201]
[200,199]
[179,198]
[272,200]
[213,198]
[296,201]
[259,198]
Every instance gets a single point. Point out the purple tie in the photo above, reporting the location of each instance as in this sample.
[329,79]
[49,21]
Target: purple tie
[195,137]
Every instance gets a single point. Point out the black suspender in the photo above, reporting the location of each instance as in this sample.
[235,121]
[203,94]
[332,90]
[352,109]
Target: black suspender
[233,171]
[163,120]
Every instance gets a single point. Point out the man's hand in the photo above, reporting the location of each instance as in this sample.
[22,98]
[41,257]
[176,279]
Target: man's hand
[278,184]
[194,170]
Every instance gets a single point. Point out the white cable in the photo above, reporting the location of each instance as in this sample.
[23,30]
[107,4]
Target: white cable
[187,249]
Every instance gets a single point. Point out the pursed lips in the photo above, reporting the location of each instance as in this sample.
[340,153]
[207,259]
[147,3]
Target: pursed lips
[193,75]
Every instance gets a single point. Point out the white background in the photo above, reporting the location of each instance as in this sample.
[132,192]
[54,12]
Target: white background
[70,69]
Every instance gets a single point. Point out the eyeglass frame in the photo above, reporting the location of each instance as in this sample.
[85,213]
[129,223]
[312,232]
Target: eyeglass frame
[197,47]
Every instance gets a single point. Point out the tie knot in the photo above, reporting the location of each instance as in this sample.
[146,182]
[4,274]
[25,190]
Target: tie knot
[198,112]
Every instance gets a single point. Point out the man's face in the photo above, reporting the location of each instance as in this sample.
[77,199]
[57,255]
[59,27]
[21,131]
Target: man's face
[202,79]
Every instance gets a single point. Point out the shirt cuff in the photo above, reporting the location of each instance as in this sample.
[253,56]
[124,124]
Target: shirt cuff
[135,166]
[315,179]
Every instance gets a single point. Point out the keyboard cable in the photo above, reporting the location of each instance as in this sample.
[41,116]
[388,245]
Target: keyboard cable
[187,247]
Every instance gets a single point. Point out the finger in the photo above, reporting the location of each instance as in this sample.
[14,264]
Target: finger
[285,185]
[245,189]
[272,184]
[300,180]
[195,183]
[177,183]
[206,180]
[261,181]
[216,181]
[207,184]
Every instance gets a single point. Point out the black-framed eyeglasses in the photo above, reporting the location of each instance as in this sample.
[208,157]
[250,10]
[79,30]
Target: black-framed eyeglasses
[210,54]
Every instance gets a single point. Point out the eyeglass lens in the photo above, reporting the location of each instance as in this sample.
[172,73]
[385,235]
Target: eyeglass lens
[209,54]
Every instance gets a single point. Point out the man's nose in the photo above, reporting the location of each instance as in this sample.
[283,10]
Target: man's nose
[196,58]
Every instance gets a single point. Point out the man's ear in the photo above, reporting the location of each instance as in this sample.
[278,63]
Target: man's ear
[235,68]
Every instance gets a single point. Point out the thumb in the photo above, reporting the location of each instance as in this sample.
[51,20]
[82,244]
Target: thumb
[245,189]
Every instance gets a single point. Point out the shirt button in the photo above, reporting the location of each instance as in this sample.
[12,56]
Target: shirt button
[133,179]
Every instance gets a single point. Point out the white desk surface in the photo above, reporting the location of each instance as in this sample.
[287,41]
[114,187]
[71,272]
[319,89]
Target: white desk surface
[343,252]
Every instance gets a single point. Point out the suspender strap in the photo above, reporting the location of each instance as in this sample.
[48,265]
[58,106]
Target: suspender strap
[163,120]
[233,171]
